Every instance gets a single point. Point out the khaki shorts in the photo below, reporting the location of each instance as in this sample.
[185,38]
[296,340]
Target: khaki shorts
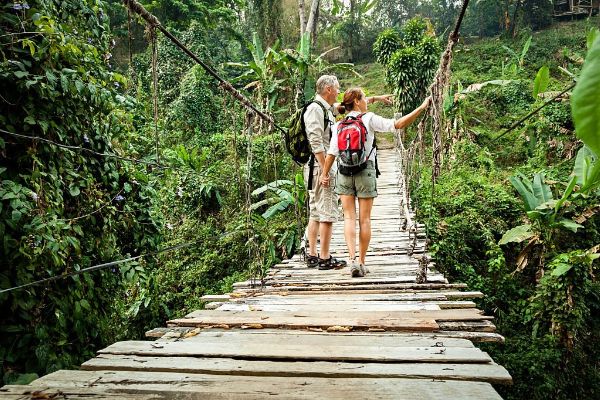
[322,201]
[362,185]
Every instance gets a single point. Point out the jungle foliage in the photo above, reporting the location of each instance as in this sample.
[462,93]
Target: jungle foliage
[515,217]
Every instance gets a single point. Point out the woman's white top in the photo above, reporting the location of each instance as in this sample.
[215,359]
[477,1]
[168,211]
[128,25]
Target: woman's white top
[373,123]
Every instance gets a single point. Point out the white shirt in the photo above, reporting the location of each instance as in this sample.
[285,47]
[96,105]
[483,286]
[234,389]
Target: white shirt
[318,136]
[373,123]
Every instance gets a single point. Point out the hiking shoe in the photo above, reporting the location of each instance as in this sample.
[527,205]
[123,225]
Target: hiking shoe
[356,270]
[331,263]
[312,261]
[364,269]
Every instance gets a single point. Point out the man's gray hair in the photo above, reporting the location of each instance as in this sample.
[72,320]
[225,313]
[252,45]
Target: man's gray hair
[326,80]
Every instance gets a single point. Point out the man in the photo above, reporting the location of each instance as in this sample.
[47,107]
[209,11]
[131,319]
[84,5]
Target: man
[323,202]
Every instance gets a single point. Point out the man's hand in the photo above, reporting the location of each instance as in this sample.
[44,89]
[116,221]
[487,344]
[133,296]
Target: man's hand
[324,180]
[386,99]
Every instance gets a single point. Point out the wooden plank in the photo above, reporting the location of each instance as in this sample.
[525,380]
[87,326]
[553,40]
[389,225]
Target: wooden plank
[338,308]
[464,314]
[310,301]
[393,296]
[491,372]
[292,351]
[342,280]
[237,338]
[393,287]
[390,320]
[292,321]
[28,392]
[202,386]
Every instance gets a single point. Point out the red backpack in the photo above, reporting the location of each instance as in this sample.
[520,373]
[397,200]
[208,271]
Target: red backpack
[352,137]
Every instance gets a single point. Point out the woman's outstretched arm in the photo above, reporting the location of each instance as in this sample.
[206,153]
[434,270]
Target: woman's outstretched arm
[408,119]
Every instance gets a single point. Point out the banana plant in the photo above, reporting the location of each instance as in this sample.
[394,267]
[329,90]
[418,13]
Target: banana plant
[279,196]
[302,68]
[543,210]
[262,72]
[517,60]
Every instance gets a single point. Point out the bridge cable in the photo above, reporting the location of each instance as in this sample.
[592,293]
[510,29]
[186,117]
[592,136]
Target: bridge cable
[97,267]
[532,113]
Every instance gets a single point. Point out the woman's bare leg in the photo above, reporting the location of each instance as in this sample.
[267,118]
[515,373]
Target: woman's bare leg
[349,206]
[364,217]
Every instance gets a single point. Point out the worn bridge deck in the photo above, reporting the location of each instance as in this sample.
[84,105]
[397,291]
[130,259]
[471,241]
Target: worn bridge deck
[306,333]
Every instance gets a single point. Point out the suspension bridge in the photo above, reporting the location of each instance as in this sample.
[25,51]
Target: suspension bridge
[305,333]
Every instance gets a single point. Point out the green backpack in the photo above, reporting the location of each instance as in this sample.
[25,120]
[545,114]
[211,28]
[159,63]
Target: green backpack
[296,140]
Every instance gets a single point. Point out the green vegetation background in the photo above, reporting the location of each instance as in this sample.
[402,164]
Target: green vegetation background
[65,210]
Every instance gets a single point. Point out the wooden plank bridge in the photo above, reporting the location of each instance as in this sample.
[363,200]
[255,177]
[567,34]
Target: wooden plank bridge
[310,334]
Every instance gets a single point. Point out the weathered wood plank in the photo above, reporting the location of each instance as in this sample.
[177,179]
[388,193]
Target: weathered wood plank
[40,392]
[308,338]
[201,386]
[390,287]
[465,314]
[344,279]
[252,350]
[337,308]
[420,295]
[290,321]
[491,372]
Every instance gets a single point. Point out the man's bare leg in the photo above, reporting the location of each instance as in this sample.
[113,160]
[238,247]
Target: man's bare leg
[313,232]
[325,230]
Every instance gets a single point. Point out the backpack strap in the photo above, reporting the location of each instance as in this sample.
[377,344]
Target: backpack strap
[377,172]
[311,167]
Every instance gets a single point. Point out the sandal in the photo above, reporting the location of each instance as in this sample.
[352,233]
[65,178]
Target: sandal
[331,263]
[312,261]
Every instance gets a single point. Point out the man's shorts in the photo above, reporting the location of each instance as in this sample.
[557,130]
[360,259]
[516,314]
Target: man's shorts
[322,201]
[362,185]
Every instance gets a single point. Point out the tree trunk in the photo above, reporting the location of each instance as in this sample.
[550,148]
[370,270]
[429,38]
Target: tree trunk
[353,24]
[302,16]
[311,25]
[513,26]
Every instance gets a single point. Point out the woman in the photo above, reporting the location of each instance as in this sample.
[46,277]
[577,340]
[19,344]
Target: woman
[361,185]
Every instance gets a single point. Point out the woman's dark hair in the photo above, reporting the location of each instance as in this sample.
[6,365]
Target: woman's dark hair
[347,103]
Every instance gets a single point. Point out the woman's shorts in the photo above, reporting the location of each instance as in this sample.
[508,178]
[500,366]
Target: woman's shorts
[362,185]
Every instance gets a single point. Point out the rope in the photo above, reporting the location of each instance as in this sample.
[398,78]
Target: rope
[251,241]
[153,38]
[129,36]
[153,21]
[531,114]
[95,268]
[133,160]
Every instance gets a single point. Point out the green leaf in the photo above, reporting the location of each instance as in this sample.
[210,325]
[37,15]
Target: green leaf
[541,190]
[584,165]
[592,34]
[561,269]
[517,234]
[585,102]
[29,120]
[74,190]
[523,186]
[566,194]
[21,74]
[569,224]
[16,215]
[541,81]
